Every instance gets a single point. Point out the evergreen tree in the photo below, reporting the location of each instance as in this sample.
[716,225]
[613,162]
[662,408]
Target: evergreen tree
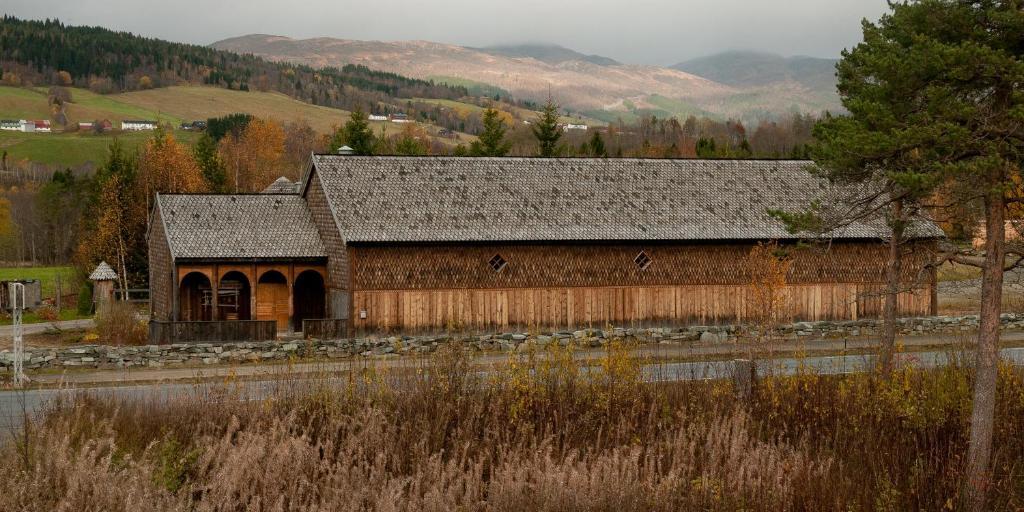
[232,124]
[214,172]
[597,145]
[744,149]
[547,131]
[356,134]
[491,141]
[706,148]
[935,106]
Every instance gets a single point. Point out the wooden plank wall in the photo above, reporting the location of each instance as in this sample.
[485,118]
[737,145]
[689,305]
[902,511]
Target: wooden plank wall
[569,307]
[161,332]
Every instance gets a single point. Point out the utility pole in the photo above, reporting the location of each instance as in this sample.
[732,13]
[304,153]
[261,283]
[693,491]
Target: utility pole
[17,291]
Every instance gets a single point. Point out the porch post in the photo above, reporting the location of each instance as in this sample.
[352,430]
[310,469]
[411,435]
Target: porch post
[215,284]
[175,295]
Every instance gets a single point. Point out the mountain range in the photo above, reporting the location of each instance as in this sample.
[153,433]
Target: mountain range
[735,84]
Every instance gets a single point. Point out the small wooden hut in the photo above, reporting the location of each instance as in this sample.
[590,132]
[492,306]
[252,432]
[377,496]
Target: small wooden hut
[104,281]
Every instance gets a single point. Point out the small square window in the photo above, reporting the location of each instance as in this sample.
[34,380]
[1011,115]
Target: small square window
[497,263]
[642,260]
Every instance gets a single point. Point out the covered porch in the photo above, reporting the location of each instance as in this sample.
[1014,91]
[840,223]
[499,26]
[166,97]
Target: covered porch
[286,292]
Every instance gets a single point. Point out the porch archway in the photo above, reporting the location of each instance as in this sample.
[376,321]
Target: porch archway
[195,298]
[234,297]
[308,297]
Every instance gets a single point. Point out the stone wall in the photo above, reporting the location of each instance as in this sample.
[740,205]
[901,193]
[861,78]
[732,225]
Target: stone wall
[198,354]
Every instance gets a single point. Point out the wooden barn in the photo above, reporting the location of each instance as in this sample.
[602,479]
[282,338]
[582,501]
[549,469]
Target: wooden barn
[483,244]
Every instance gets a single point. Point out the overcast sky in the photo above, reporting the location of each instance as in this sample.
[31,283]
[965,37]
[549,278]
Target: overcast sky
[638,31]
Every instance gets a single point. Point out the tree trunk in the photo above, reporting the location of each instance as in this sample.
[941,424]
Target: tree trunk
[892,291]
[982,415]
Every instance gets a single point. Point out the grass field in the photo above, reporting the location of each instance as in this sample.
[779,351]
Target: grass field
[472,86]
[48,276]
[32,317]
[169,104]
[72,149]
[678,108]
[955,272]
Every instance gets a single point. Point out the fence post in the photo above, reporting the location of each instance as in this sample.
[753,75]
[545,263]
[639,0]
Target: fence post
[744,373]
[59,293]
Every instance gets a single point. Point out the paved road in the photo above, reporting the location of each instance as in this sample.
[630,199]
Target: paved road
[6,331]
[16,405]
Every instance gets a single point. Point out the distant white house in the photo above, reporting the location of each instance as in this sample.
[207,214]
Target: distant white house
[378,117]
[27,126]
[137,126]
[11,125]
[571,126]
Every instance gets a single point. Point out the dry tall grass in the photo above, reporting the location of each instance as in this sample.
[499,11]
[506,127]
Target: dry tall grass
[118,323]
[540,433]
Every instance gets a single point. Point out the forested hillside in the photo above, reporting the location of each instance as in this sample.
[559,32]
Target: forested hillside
[106,61]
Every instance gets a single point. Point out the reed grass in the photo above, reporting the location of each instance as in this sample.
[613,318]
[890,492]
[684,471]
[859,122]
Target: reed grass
[532,433]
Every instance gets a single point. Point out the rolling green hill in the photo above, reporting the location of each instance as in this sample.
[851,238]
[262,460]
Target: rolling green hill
[756,69]
[169,104]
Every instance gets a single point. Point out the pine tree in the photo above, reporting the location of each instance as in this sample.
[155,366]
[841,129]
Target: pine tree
[491,141]
[597,145]
[935,106]
[706,148]
[547,131]
[214,172]
[358,134]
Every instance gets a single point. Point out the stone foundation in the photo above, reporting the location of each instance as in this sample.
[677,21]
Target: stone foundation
[198,354]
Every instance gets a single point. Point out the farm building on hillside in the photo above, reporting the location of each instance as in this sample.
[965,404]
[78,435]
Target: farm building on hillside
[137,126]
[434,243]
[10,125]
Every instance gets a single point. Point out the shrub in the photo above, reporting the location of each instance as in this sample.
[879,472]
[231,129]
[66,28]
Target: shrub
[48,313]
[85,298]
[118,323]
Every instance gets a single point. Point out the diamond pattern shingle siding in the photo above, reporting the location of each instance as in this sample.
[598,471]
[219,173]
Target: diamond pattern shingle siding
[448,199]
[239,226]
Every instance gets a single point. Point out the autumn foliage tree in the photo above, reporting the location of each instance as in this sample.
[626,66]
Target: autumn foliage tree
[165,165]
[123,194]
[254,158]
[114,228]
[412,141]
[768,267]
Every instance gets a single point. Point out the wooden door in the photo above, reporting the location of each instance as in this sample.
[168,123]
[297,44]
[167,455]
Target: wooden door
[272,303]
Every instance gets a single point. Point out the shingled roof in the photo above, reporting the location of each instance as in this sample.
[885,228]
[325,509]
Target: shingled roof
[264,226]
[447,199]
[281,185]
